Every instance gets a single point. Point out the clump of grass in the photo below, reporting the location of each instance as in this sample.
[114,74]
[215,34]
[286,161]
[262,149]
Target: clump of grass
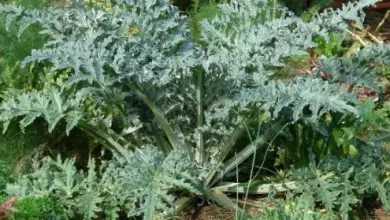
[14,146]
[13,50]
[4,174]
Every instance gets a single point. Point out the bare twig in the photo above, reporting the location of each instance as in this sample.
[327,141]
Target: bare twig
[374,38]
[366,32]
[358,38]
[382,21]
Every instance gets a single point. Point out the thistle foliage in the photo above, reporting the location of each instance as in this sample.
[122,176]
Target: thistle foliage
[145,45]
[130,76]
[139,184]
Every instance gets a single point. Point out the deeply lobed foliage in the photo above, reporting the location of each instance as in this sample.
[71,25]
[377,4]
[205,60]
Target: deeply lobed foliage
[139,183]
[105,39]
[363,68]
[130,76]
[117,60]
[338,185]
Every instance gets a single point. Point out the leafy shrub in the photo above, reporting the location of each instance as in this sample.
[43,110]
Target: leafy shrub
[350,180]
[136,184]
[330,189]
[31,208]
[131,77]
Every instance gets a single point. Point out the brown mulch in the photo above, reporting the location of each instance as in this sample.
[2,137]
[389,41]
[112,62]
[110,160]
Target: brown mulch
[210,212]
[380,214]
[215,212]
[374,18]
[371,209]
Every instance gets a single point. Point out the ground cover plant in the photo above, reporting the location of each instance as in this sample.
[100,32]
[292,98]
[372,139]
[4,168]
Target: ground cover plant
[187,118]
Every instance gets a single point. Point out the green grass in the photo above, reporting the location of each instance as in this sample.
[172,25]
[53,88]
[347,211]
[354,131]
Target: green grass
[5,169]
[14,145]
[32,208]
[13,50]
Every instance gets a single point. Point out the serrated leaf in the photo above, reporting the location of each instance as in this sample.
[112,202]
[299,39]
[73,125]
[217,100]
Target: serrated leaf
[72,120]
[6,125]
[53,122]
